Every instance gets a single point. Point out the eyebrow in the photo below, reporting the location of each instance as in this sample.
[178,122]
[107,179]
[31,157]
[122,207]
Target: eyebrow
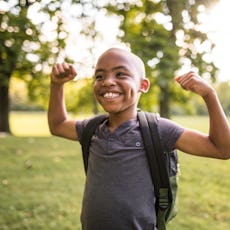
[113,69]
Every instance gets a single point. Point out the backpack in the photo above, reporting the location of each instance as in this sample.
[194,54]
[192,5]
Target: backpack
[163,166]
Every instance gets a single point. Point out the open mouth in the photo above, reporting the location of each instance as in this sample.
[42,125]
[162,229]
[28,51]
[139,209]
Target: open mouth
[111,95]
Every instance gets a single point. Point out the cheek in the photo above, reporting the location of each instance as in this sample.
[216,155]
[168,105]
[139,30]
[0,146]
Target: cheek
[96,92]
[95,88]
[134,89]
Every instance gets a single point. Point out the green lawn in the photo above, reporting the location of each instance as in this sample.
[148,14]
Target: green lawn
[42,181]
[29,124]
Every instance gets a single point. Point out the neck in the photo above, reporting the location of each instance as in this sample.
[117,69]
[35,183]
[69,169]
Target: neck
[116,119]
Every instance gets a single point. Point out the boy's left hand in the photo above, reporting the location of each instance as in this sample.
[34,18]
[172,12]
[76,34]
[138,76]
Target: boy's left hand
[193,82]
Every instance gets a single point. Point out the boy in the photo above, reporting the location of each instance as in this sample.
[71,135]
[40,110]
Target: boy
[118,191]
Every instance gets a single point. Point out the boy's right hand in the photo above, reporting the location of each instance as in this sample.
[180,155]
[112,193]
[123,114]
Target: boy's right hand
[62,73]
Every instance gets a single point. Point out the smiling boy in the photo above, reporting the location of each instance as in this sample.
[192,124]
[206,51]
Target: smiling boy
[118,191]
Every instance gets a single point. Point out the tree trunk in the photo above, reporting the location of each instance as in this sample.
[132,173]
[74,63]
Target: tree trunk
[164,102]
[4,108]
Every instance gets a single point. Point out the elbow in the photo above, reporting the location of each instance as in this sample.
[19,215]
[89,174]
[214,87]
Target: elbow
[224,155]
[53,130]
[54,127]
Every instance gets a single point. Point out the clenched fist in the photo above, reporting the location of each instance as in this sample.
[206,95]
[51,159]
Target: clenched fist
[62,73]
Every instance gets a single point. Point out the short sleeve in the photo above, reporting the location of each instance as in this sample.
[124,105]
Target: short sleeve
[169,132]
[80,125]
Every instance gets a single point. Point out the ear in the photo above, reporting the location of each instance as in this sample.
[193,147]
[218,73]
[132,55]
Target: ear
[144,86]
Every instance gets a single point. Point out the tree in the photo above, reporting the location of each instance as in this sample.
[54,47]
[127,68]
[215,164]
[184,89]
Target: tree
[34,35]
[166,34]
[13,37]
[23,52]
[80,97]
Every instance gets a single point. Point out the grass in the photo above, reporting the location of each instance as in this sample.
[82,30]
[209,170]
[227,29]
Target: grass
[42,181]
[29,124]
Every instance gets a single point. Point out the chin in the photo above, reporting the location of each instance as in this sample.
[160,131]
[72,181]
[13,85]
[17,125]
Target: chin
[111,110]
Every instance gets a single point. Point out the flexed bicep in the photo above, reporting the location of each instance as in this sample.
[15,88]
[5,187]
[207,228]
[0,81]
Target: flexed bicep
[199,144]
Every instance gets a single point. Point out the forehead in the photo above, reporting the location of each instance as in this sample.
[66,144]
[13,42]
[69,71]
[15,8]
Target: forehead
[115,57]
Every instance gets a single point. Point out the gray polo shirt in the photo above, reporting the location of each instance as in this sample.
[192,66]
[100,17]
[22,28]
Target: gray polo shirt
[119,193]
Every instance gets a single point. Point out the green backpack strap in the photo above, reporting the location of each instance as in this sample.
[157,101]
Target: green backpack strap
[157,163]
[87,134]
[169,167]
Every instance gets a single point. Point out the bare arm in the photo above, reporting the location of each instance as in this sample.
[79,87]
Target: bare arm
[217,143]
[59,124]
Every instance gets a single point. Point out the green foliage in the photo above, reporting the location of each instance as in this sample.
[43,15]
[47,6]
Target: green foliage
[15,37]
[28,50]
[223,90]
[19,99]
[79,96]
[165,35]
[25,52]
[34,36]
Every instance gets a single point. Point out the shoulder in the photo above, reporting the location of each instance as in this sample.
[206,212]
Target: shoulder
[169,132]
[164,123]
[90,123]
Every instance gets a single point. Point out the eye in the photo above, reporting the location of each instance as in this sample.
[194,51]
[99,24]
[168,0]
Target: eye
[121,74]
[99,77]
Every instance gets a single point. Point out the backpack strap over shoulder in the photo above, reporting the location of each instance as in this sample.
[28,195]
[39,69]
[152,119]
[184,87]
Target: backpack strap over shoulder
[150,152]
[161,156]
[157,164]
[87,135]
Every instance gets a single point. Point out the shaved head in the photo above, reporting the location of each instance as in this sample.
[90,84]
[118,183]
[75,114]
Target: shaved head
[137,62]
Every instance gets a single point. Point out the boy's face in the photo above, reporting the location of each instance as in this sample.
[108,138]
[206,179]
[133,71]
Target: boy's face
[118,81]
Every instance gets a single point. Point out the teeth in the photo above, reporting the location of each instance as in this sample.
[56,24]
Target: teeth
[111,95]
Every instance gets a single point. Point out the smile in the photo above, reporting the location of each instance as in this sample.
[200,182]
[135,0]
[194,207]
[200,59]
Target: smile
[111,95]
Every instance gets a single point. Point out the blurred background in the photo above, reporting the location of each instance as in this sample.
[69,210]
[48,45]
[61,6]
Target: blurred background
[41,177]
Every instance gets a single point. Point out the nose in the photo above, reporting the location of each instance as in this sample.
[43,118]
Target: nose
[109,80]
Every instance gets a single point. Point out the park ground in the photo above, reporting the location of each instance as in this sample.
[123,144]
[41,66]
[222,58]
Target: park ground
[42,181]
